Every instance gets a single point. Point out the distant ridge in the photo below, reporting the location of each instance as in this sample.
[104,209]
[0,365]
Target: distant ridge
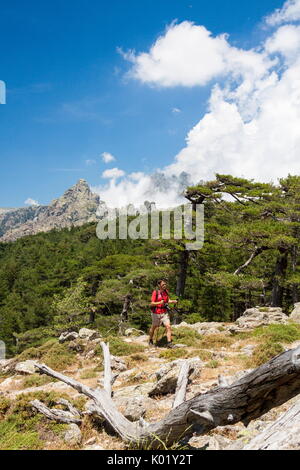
[77,206]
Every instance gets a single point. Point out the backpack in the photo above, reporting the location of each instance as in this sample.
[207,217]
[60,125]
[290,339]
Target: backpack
[153,309]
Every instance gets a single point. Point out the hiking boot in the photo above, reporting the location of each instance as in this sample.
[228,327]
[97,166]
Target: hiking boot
[170,345]
[151,344]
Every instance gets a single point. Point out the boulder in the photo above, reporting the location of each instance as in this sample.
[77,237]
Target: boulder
[140,376]
[142,339]
[248,350]
[118,364]
[76,346]
[195,369]
[67,336]
[167,376]
[167,384]
[122,376]
[295,315]
[12,383]
[207,328]
[26,367]
[133,332]
[73,435]
[239,375]
[135,408]
[122,395]
[87,334]
[216,442]
[6,365]
[261,316]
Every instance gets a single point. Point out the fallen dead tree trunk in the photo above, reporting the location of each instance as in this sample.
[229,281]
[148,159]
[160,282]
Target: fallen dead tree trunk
[266,387]
[283,434]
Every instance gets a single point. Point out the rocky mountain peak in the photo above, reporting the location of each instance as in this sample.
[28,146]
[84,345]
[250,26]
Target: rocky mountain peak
[77,206]
[80,192]
[81,186]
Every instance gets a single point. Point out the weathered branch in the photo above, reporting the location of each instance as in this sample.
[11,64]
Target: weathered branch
[70,407]
[182,382]
[256,252]
[56,415]
[253,395]
[222,381]
[108,377]
[103,405]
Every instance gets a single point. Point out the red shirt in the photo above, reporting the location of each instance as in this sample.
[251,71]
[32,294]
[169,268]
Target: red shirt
[158,296]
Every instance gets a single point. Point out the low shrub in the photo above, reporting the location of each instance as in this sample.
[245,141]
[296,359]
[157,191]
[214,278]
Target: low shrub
[139,357]
[216,341]
[213,364]
[279,333]
[88,374]
[193,318]
[36,380]
[118,347]
[203,355]
[186,336]
[172,354]
[22,428]
[55,355]
[264,352]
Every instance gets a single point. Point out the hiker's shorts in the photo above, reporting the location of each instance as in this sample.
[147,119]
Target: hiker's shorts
[160,319]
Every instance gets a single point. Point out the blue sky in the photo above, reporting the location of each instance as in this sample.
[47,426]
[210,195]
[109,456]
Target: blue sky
[69,99]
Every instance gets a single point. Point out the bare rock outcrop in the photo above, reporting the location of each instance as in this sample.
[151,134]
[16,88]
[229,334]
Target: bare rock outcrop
[259,316]
[73,435]
[77,206]
[26,367]
[68,336]
[206,328]
[167,376]
[89,335]
[295,315]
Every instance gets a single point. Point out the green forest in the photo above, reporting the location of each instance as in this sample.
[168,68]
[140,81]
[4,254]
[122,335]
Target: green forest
[52,281]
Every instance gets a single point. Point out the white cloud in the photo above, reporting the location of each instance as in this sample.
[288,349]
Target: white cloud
[90,162]
[252,124]
[176,110]
[255,134]
[31,202]
[188,55]
[107,157]
[138,188]
[288,13]
[136,176]
[113,173]
[286,41]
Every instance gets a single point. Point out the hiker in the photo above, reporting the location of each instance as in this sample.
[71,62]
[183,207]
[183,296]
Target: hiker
[159,307]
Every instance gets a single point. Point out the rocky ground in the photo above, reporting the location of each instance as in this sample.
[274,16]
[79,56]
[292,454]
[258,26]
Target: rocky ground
[146,380]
